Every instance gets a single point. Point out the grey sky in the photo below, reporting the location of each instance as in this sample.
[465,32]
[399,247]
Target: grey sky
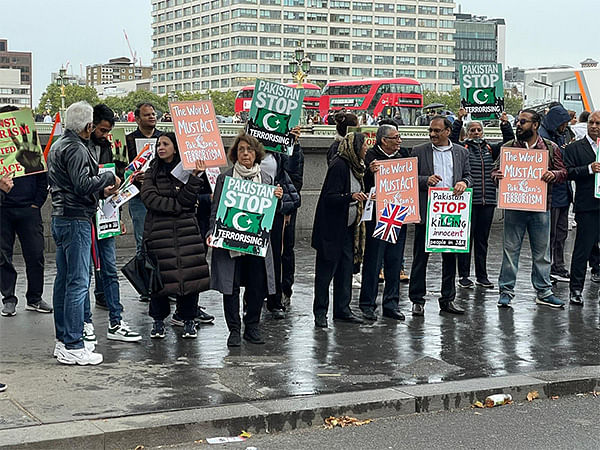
[539,32]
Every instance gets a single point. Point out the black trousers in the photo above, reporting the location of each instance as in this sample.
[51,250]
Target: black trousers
[594,261]
[337,267]
[274,301]
[417,288]
[160,306]
[587,236]
[26,223]
[249,272]
[481,223]
[559,230]
[288,258]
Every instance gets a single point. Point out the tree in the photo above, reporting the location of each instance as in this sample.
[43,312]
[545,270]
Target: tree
[512,103]
[224,102]
[73,94]
[450,99]
[131,100]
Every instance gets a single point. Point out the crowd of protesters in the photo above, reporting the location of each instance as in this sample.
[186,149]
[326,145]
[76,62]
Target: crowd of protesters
[172,224]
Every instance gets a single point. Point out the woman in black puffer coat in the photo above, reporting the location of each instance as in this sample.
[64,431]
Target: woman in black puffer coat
[481,157]
[171,234]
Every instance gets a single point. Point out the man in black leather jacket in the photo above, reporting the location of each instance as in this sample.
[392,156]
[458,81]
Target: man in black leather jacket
[75,187]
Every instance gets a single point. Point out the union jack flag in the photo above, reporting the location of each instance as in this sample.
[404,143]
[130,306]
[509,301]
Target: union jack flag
[389,224]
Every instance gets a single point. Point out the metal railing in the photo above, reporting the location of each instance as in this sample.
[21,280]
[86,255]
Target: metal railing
[230,129]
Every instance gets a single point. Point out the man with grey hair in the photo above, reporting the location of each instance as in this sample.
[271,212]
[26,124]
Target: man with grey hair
[75,187]
[377,251]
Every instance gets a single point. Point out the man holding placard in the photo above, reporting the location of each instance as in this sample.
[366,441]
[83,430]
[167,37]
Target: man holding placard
[528,166]
[446,165]
[582,159]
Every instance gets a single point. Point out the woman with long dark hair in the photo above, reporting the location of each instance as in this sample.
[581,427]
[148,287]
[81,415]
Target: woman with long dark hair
[172,236]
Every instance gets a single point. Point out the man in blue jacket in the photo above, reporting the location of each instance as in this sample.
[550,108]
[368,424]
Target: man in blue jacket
[553,127]
[21,215]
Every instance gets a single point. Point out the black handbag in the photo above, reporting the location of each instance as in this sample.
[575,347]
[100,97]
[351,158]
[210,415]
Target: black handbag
[143,273]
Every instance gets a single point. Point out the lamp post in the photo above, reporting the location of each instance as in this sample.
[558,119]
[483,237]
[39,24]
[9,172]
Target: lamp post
[48,106]
[299,67]
[62,81]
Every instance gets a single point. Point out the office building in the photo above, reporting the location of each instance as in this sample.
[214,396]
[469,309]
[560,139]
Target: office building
[479,40]
[225,44]
[15,79]
[115,71]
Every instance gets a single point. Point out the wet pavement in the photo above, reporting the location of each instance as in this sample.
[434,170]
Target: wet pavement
[297,359]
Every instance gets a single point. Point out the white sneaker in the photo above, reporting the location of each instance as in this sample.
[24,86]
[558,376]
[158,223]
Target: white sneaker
[122,332]
[356,281]
[80,356]
[58,347]
[88,333]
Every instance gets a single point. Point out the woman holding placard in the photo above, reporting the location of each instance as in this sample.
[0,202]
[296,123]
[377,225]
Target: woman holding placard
[231,269]
[338,234]
[172,236]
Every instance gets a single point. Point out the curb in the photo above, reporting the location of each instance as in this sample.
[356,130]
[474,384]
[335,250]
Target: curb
[173,427]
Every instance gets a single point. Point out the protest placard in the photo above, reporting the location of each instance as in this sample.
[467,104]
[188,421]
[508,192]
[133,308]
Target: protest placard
[107,226]
[244,217]
[126,192]
[397,183]
[482,90]
[275,110]
[197,133]
[20,150]
[369,132]
[521,186]
[448,224]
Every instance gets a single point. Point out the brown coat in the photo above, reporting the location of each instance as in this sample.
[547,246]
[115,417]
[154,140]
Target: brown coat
[171,232]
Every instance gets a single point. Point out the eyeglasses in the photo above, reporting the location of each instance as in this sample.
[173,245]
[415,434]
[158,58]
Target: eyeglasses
[524,121]
[437,130]
[92,127]
[396,138]
[593,122]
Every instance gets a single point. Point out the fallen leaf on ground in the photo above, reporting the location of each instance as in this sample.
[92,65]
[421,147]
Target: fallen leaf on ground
[555,397]
[477,413]
[329,374]
[478,404]
[531,396]
[245,434]
[344,421]
[580,395]
[140,447]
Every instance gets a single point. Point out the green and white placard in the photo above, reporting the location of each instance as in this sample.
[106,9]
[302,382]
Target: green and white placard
[107,226]
[244,217]
[274,111]
[448,222]
[482,90]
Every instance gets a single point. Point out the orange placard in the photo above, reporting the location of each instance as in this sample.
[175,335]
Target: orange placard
[521,187]
[197,133]
[397,182]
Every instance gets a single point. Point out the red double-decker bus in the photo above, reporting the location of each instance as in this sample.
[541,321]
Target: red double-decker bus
[387,97]
[312,93]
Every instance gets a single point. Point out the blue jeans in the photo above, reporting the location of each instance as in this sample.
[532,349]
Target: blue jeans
[137,211]
[537,225]
[108,281]
[73,243]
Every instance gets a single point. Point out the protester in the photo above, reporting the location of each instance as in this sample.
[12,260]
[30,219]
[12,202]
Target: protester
[582,167]
[342,122]
[377,251]
[20,215]
[338,235]
[106,289]
[230,269]
[171,236]
[294,166]
[536,224]
[441,164]
[274,165]
[145,117]
[75,187]
[580,128]
[6,184]
[554,127]
[481,159]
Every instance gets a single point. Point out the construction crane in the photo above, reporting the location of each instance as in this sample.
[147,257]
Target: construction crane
[134,58]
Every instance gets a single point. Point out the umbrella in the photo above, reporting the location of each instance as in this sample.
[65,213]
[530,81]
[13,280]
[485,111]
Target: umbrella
[434,106]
